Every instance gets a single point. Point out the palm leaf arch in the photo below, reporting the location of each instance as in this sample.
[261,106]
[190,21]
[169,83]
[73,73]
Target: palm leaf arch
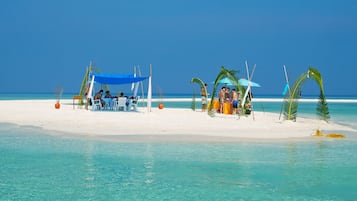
[291,99]
[198,81]
[201,84]
[225,73]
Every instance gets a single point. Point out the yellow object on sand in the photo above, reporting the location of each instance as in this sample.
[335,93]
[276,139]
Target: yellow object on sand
[318,133]
[331,135]
[334,135]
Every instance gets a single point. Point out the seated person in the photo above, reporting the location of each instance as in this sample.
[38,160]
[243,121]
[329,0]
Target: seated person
[107,94]
[121,94]
[109,99]
[98,96]
[132,103]
[133,99]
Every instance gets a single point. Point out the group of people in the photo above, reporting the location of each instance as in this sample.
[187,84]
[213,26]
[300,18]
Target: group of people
[226,95]
[108,100]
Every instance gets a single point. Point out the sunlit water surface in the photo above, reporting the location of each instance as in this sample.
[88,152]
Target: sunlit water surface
[36,166]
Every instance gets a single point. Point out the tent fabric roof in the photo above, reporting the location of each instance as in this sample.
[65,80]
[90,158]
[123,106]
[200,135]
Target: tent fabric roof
[116,78]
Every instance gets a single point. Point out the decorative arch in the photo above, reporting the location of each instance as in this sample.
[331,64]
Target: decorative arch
[199,82]
[291,99]
[202,85]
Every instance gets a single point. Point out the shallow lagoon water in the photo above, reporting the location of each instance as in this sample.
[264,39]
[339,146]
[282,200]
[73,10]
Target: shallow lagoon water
[37,166]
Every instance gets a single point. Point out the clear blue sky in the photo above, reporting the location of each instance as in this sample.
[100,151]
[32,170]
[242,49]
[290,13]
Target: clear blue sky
[45,44]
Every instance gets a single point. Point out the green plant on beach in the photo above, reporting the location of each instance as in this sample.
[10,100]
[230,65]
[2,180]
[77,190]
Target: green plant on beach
[202,85]
[193,103]
[86,80]
[322,109]
[291,98]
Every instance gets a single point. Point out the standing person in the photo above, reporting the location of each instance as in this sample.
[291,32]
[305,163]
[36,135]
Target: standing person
[228,101]
[221,97]
[227,95]
[235,97]
[204,97]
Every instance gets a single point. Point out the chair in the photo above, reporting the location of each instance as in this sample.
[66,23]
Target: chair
[114,104]
[108,103]
[79,98]
[121,105]
[96,104]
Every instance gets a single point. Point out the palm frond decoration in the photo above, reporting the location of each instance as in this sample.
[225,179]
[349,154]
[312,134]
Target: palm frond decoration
[291,99]
[193,103]
[86,79]
[322,108]
[202,84]
[198,81]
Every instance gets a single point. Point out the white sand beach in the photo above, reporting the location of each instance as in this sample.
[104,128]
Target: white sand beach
[183,123]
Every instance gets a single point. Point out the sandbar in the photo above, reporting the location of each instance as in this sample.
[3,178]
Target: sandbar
[172,124]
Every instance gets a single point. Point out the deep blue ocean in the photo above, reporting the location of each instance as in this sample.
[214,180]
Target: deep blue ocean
[36,164]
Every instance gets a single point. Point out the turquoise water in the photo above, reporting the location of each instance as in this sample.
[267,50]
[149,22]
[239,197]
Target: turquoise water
[36,166]
[39,165]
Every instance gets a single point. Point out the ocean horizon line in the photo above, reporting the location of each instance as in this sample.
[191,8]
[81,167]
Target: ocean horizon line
[69,95]
[197,99]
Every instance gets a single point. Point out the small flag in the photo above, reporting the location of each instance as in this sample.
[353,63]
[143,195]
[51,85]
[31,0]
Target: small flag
[286,88]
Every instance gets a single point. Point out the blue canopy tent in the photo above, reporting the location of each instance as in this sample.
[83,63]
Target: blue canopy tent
[113,79]
[117,79]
